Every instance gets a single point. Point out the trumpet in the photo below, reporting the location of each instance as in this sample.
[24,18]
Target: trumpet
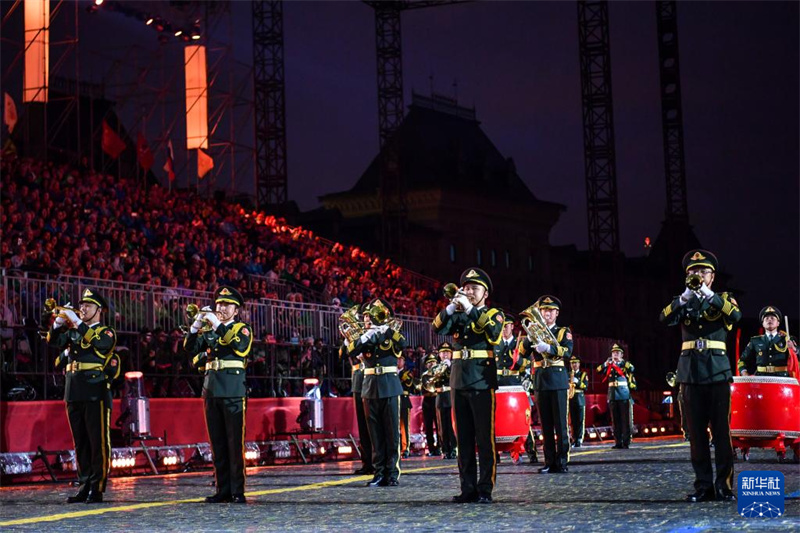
[672,378]
[51,307]
[192,310]
[451,290]
[694,282]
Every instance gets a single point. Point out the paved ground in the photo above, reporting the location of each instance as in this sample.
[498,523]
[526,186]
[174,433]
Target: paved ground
[640,489]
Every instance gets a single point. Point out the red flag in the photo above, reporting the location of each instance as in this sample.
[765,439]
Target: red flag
[204,163]
[793,369]
[111,143]
[143,153]
[169,166]
[9,112]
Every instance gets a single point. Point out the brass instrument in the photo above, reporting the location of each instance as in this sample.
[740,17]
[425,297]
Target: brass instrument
[672,378]
[536,328]
[192,310]
[380,315]
[434,377]
[51,307]
[350,325]
[571,390]
[451,290]
[694,282]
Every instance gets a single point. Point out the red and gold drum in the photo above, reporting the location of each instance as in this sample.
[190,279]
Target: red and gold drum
[764,407]
[512,419]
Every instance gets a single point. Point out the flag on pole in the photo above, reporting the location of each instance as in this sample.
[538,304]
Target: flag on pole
[111,143]
[143,153]
[10,112]
[204,163]
[169,166]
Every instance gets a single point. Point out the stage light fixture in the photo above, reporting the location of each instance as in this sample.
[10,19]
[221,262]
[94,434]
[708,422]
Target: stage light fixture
[603,434]
[252,453]
[646,430]
[149,21]
[169,457]
[98,2]
[195,37]
[178,33]
[344,450]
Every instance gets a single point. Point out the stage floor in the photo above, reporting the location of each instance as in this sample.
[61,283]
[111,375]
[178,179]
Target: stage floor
[640,489]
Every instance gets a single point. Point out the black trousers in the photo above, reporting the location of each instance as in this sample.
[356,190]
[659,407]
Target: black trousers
[363,431]
[429,423]
[474,412]
[577,420]
[383,418]
[225,418]
[621,421]
[91,433]
[552,406]
[445,421]
[404,436]
[709,405]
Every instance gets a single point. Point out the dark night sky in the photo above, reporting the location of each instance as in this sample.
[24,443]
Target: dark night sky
[517,63]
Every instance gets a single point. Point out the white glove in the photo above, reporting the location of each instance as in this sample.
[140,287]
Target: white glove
[383,328]
[705,291]
[368,335]
[59,321]
[575,380]
[207,309]
[463,301]
[213,319]
[450,309]
[686,296]
[197,324]
[542,347]
[72,317]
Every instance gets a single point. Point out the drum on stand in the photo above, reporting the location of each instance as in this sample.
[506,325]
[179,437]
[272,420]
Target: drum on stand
[512,420]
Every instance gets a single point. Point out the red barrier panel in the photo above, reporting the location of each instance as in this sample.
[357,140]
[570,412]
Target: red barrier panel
[26,425]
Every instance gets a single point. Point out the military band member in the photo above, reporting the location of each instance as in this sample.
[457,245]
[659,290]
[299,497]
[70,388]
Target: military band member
[429,421]
[577,404]
[551,383]
[222,343]
[704,372]
[357,373]
[444,406]
[619,375]
[87,355]
[767,354]
[509,363]
[476,330]
[381,347]
[409,387]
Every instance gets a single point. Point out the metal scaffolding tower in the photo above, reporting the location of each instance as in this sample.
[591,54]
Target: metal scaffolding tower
[270,103]
[598,126]
[671,112]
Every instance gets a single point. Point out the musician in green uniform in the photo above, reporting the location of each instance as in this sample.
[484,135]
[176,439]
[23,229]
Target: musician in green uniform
[619,375]
[509,364]
[430,423]
[88,358]
[704,373]
[357,374]
[476,330]
[551,383]
[767,354]
[444,419]
[381,347]
[222,343]
[409,387]
[579,382]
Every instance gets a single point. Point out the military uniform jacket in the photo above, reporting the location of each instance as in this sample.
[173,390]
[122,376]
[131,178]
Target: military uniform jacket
[481,329]
[580,388]
[86,345]
[229,342]
[443,400]
[763,352]
[381,350]
[357,376]
[551,377]
[619,385]
[709,319]
[504,356]
[407,381]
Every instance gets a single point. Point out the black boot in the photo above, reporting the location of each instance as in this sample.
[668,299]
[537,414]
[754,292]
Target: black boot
[81,496]
[95,496]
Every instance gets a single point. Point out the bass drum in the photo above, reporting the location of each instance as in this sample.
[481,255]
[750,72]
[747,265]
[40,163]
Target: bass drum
[764,407]
[512,420]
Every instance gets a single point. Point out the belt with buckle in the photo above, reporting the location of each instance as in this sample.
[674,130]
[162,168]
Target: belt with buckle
[378,370]
[221,364]
[507,372]
[466,353]
[703,344]
[77,366]
[770,368]
[547,362]
[445,389]
[617,383]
